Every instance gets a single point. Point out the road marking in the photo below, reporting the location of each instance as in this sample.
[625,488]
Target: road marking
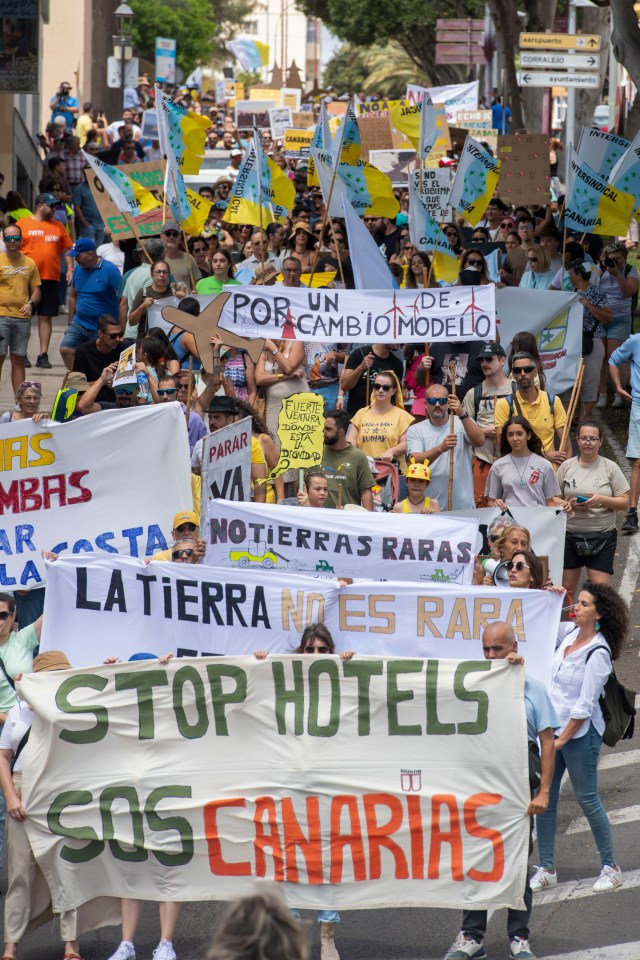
[620,455]
[632,566]
[576,889]
[621,815]
[616,951]
[620,759]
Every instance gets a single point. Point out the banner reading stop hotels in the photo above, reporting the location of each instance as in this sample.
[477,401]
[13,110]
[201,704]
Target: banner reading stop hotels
[109,483]
[195,610]
[354,784]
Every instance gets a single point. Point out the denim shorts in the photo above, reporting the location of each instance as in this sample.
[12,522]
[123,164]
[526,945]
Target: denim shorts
[15,333]
[76,335]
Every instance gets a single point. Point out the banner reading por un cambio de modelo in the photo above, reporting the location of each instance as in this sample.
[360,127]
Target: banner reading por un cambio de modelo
[354,784]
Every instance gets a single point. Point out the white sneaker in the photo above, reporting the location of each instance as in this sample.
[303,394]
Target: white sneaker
[610,879]
[617,402]
[542,879]
[126,951]
[521,949]
[164,951]
[464,948]
[602,401]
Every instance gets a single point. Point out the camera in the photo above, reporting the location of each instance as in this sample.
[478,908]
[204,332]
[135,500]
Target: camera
[609,262]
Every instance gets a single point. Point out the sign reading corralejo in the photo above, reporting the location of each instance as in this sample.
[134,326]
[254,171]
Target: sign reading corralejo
[357,316]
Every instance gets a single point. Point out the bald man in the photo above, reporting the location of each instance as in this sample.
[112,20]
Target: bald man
[499,643]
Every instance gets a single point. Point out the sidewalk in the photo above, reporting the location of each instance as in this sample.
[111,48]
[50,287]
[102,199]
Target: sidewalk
[51,380]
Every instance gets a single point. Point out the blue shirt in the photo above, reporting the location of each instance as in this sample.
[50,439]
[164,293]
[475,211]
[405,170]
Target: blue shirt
[539,709]
[83,198]
[497,114]
[97,291]
[61,112]
[629,351]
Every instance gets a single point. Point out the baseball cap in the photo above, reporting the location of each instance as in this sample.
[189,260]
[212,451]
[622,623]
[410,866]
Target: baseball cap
[184,516]
[491,350]
[82,245]
[77,381]
[48,198]
[170,225]
[220,205]
[237,152]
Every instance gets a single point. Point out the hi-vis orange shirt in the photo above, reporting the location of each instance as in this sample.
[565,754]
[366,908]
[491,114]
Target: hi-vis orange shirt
[44,241]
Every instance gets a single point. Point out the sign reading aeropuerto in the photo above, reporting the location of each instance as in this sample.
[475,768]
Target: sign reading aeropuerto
[366,783]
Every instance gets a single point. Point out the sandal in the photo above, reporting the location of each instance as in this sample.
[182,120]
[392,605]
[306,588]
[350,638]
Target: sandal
[66,956]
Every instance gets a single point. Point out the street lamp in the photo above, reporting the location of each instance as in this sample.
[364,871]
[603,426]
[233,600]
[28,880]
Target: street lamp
[122,49]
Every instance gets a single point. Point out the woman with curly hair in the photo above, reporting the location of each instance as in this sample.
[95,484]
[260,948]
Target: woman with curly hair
[380,430]
[581,667]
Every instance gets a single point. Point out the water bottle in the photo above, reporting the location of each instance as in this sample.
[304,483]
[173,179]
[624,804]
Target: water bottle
[143,385]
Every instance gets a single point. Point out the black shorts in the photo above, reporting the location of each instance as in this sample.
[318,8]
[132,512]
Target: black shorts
[49,298]
[576,545]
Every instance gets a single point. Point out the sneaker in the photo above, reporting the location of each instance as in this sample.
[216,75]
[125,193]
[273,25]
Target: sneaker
[43,361]
[164,951]
[126,951]
[610,879]
[27,362]
[618,401]
[465,947]
[630,524]
[602,401]
[521,949]
[542,879]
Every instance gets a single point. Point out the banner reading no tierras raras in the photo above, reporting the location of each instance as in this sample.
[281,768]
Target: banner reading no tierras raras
[353,784]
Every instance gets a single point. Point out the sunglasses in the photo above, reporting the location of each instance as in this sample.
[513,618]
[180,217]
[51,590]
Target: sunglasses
[437,401]
[451,233]
[33,384]
[5,614]
[383,386]
[124,393]
[177,554]
[317,650]
[474,262]
[532,259]
[171,233]
[186,526]
[369,219]
[520,565]
[12,239]
[169,392]
[530,367]
[111,336]
[506,223]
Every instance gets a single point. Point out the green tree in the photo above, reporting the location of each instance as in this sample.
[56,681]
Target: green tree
[347,69]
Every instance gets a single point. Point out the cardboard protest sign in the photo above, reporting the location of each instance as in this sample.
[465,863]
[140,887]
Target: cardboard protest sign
[266,93]
[250,112]
[62,483]
[226,463]
[297,143]
[126,369]
[291,97]
[433,548]
[362,316]
[376,133]
[302,120]
[524,168]
[234,611]
[149,175]
[300,433]
[397,164]
[279,120]
[433,187]
[201,778]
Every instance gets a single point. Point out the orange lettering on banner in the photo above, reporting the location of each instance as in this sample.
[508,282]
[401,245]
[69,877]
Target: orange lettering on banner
[341,840]
[476,829]
[379,835]
[310,846]
[217,864]
[440,836]
[267,838]
[416,832]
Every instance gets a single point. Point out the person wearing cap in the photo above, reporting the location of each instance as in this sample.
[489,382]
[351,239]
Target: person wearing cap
[186,525]
[126,394]
[92,357]
[235,159]
[261,254]
[418,477]
[28,900]
[183,266]
[221,413]
[45,241]
[19,295]
[479,403]
[93,292]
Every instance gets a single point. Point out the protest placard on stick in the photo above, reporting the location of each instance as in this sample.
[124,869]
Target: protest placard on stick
[300,432]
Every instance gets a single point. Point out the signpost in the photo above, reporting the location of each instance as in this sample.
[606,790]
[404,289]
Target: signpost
[460,41]
[560,41]
[541,78]
[560,61]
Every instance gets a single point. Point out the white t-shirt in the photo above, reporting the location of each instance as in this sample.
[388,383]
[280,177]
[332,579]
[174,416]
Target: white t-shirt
[424,436]
[19,720]
[522,481]
[113,128]
[113,254]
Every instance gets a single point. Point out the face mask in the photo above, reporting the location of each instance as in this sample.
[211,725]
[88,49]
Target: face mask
[470,277]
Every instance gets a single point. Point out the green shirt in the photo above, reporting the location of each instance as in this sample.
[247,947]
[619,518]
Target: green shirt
[349,469]
[211,285]
[17,656]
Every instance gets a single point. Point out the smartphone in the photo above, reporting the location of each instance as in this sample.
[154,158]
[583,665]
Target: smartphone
[582,499]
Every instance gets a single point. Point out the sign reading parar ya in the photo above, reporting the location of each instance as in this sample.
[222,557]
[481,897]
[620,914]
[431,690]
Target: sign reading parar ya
[362,316]
[354,784]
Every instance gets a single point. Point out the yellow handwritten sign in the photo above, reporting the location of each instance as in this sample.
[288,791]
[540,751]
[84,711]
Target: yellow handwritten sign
[300,432]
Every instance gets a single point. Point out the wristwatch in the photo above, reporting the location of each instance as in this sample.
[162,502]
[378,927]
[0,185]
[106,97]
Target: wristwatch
[463,416]
[273,352]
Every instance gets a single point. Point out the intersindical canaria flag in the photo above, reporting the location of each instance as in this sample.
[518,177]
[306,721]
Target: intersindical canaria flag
[184,133]
[251,54]
[625,175]
[475,182]
[321,141]
[347,142]
[417,121]
[592,204]
[128,196]
[262,193]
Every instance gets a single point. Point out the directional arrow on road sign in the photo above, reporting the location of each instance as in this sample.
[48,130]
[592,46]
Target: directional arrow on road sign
[544,78]
[560,41]
[557,61]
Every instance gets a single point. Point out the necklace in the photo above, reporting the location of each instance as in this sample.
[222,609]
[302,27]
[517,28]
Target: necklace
[521,475]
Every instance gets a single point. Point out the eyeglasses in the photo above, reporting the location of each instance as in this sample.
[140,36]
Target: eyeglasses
[160,272]
[171,233]
[169,392]
[291,270]
[437,401]
[451,233]
[474,262]
[317,650]
[530,367]
[506,223]
[12,239]
[369,219]
[383,386]
[519,565]
[177,554]
[532,259]
[588,439]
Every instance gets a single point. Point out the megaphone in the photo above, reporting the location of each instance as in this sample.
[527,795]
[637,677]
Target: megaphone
[497,570]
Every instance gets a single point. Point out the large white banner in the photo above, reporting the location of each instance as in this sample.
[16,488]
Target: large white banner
[121,607]
[361,316]
[108,483]
[226,462]
[456,97]
[555,319]
[335,543]
[353,784]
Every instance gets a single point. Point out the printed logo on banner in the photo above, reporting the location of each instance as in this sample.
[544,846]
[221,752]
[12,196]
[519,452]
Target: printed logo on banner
[552,338]
[411,781]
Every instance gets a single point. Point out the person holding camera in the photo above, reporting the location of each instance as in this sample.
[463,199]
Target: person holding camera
[620,283]
[62,104]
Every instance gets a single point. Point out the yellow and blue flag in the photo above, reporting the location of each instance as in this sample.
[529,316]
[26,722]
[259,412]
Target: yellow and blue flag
[346,138]
[128,196]
[184,133]
[626,173]
[368,189]
[417,121]
[426,234]
[262,192]
[601,151]
[251,54]
[475,181]
[321,141]
[592,204]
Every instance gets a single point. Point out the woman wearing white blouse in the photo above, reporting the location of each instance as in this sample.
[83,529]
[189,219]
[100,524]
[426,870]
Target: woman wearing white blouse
[581,666]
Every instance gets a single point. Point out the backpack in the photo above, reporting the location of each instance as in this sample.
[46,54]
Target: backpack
[617,703]
[477,397]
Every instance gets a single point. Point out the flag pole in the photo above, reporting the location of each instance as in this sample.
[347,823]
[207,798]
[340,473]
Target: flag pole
[452,374]
[328,202]
[257,146]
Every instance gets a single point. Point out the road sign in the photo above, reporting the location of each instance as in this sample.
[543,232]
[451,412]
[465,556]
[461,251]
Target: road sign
[459,24]
[560,41]
[131,71]
[560,61]
[459,36]
[544,78]
[459,53]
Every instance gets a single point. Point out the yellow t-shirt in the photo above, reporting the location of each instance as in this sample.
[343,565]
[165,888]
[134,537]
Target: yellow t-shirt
[379,431]
[84,123]
[426,503]
[257,456]
[538,413]
[16,278]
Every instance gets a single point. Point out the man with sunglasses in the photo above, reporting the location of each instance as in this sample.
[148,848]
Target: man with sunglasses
[544,412]
[94,292]
[167,390]
[479,403]
[183,267]
[19,294]
[91,358]
[185,535]
[430,441]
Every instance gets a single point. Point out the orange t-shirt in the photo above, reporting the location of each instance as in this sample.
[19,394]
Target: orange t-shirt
[44,241]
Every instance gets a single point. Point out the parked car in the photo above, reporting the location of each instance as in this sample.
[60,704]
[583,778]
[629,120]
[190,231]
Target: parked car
[213,166]
[601,117]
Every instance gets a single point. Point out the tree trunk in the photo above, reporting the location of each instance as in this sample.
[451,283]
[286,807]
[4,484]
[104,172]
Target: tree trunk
[503,13]
[596,21]
[625,37]
[540,17]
